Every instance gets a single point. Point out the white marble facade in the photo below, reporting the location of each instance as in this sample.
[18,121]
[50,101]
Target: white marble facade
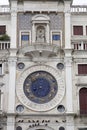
[39,81]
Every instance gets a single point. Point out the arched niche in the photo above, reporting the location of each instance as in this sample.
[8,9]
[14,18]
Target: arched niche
[40,128]
[19,128]
[40,17]
[40,34]
[40,29]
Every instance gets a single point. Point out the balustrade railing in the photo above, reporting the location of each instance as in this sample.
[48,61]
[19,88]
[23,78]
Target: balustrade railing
[4,45]
[74,9]
[77,9]
[79,45]
[4,9]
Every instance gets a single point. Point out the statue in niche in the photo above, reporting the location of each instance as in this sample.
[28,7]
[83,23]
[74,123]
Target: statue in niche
[40,34]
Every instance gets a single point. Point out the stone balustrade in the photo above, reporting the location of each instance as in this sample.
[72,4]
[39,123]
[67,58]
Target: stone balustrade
[79,45]
[74,9]
[4,9]
[78,9]
[4,45]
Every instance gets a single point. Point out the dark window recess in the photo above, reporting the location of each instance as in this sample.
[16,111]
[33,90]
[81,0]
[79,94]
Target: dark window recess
[83,100]
[0,98]
[2,30]
[86,30]
[55,37]
[61,128]
[82,128]
[25,37]
[82,68]
[0,69]
[19,128]
[77,30]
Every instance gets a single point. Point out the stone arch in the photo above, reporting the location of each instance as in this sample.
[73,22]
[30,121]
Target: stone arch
[40,17]
[40,128]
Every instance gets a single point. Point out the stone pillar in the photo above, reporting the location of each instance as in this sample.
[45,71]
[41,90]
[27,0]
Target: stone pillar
[12,68]
[33,33]
[11,123]
[67,30]
[12,80]
[14,24]
[11,93]
[70,122]
[47,33]
[68,80]
[1,100]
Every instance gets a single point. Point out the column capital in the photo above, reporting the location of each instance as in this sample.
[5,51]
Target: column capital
[67,13]
[13,52]
[13,13]
[68,52]
[12,61]
[68,56]
[68,61]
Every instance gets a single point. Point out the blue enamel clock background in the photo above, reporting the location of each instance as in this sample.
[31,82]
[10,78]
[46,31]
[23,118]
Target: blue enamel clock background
[40,87]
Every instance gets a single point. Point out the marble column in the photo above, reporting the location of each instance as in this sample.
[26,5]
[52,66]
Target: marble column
[10,123]
[12,80]
[68,80]
[13,24]
[47,33]
[70,123]
[67,30]
[33,33]
[11,94]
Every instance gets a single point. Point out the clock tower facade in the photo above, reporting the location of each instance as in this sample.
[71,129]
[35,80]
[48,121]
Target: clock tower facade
[43,65]
[40,65]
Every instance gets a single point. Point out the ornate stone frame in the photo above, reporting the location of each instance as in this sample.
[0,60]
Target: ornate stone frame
[42,20]
[46,106]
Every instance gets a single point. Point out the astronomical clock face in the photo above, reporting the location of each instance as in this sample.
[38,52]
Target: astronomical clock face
[40,88]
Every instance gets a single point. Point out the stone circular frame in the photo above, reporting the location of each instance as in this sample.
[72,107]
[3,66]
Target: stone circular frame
[21,65]
[45,106]
[40,87]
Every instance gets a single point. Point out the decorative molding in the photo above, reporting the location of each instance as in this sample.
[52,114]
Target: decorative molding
[68,61]
[81,85]
[46,106]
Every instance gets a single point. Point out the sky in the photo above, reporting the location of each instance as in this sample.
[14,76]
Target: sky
[76,2]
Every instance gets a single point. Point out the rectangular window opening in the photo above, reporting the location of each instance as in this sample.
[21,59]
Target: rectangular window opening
[0,69]
[77,30]
[82,128]
[86,30]
[2,29]
[0,99]
[82,68]
[25,36]
[55,37]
